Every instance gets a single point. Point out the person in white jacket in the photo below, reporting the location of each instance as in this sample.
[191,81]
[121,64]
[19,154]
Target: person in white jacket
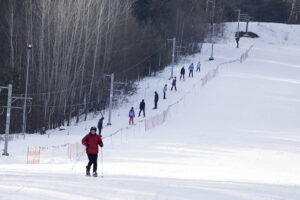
[165,90]
[198,67]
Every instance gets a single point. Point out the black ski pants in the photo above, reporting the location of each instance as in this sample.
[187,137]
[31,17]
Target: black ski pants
[155,104]
[142,110]
[92,161]
[182,76]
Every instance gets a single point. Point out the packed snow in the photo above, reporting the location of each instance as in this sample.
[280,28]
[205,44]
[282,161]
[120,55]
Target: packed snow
[236,138]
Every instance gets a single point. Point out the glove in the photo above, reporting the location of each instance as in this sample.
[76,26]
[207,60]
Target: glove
[101,145]
[87,145]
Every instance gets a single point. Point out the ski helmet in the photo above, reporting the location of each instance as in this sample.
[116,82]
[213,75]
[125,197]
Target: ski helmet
[93,128]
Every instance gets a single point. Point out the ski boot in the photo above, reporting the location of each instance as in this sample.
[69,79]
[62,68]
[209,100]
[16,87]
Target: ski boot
[88,173]
[95,174]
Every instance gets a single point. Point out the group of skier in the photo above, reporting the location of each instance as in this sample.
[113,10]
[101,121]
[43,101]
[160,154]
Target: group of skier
[92,140]
[165,88]
[191,70]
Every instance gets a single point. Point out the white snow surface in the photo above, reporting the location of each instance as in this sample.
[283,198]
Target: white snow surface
[236,138]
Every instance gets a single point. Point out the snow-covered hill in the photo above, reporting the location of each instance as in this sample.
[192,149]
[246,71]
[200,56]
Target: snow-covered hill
[237,137]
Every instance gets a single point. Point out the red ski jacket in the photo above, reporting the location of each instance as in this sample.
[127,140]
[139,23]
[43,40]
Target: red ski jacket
[91,142]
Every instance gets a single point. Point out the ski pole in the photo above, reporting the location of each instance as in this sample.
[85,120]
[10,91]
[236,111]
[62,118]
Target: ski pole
[77,159]
[101,163]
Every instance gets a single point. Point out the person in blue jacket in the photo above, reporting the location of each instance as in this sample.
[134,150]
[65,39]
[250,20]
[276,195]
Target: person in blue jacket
[131,116]
[191,68]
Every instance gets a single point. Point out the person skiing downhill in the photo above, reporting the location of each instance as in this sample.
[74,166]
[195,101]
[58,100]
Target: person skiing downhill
[91,141]
[165,90]
[182,73]
[100,125]
[142,108]
[174,84]
[131,116]
[198,67]
[155,100]
[191,68]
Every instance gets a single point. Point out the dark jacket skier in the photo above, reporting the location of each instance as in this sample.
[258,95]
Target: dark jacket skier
[182,73]
[155,99]
[100,125]
[142,108]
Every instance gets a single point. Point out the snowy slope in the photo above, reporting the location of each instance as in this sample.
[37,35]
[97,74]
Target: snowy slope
[235,138]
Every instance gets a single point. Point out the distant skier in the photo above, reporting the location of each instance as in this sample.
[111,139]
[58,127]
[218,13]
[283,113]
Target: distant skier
[174,84]
[155,100]
[182,73]
[91,141]
[131,116]
[100,125]
[237,39]
[142,108]
[198,67]
[191,68]
[165,90]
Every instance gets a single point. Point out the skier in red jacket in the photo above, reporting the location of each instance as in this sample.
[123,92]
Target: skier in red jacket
[91,141]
